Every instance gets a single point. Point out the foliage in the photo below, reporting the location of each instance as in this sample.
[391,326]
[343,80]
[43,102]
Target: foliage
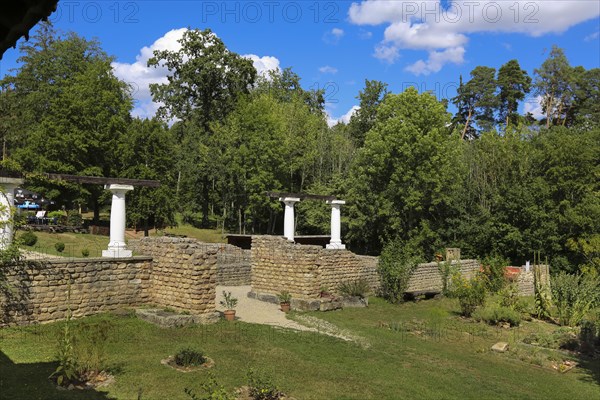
[59,246]
[561,338]
[262,386]
[447,270]
[495,272]
[496,314]
[229,302]
[28,238]
[74,218]
[85,252]
[470,293]
[396,265]
[574,296]
[509,298]
[214,390]
[476,101]
[357,288]
[542,296]
[189,358]
[66,372]
[284,296]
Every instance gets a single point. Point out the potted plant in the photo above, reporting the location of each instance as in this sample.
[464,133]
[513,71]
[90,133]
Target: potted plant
[229,302]
[284,300]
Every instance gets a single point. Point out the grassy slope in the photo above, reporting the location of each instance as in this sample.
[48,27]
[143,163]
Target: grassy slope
[307,365]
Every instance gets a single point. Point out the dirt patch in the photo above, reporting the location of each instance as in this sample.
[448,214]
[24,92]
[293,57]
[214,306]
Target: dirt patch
[170,362]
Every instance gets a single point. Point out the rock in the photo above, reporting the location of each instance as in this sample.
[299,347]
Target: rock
[500,347]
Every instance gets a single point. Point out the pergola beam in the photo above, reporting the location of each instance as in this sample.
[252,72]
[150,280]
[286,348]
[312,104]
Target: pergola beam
[301,196]
[98,180]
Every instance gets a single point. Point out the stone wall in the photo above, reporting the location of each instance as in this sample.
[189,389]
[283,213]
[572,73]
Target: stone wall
[183,274]
[428,278]
[233,266]
[39,291]
[525,279]
[303,270]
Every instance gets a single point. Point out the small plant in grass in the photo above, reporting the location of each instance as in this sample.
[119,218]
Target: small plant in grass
[494,271]
[469,292]
[229,302]
[85,252]
[59,246]
[262,387]
[213,391]
[29,238]
[189,358]
[496,314]
[509,298]
[541,294]
[358,288]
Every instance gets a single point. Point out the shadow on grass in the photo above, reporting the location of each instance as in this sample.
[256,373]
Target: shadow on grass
[30,382]
[592,367]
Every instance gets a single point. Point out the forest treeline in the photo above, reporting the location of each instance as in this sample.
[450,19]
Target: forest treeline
[487,179]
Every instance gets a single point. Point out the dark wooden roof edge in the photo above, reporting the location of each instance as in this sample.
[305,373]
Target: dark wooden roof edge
[103,181]
[301,196]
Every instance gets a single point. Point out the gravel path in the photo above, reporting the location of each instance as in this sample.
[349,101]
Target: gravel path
[34,255]
[256,311]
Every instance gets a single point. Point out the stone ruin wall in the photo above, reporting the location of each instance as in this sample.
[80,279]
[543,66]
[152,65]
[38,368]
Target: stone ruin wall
[428,277]
[38,291]
[525,280]
[183,274]
[233,266]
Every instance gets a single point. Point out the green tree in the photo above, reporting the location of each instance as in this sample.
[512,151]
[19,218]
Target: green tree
[204,84]
[513,85]
[403,181]
[476,101]
[364,118]
[148,152]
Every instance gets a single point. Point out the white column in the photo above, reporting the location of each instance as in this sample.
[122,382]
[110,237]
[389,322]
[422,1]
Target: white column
[288,217]
[7,202]
[336,225]
[116,246]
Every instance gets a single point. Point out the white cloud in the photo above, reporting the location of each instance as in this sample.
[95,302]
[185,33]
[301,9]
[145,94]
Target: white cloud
[328,70]
[333,36]
[436,60]
[427,25]
[365,35]
[140,76]
[592,36]
[264,64]
[534,106]
[386,53]
[331,121]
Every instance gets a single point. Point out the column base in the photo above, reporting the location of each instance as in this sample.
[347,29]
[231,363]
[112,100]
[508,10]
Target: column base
[336,246]
[117,252]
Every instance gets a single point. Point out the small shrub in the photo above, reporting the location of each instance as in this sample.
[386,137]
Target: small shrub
[397,262]
[229,302]
[74,218]
[470,293]
[59,246]
[358,288]
[189,358]
[574,296]
[509,298]
[494,271]
[29,238]
[495,315]
[284,296]
[213,390]
[85,252]
[262,387]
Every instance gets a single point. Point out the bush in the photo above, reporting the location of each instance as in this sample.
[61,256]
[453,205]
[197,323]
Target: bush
[497,314]
[59,246]
[509,298]
[262,387]
[214,390]
[189,358]
[29,238]
[74,218]
[574,296]
[396,265]
[469,292]
[494,271]
[358,288]
[85,252]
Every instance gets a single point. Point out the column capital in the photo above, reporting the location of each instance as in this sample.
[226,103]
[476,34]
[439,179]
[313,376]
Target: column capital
[336,202]
[118,187]
[289,199]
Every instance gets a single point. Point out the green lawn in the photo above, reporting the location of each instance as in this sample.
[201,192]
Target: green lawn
[448,359]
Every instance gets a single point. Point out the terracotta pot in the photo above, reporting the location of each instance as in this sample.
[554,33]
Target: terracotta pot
[229,315]
[285,307]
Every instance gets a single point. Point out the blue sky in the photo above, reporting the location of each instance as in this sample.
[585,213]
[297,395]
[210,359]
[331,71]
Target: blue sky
[336,45]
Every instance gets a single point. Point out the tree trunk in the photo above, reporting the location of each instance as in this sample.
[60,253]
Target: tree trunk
[205,202]
[466,124]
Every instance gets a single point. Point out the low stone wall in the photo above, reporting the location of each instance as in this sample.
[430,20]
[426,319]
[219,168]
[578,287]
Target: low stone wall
[39,291]
[525,279]
[233,266]
[428,277]
[183,274]
[303,270]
